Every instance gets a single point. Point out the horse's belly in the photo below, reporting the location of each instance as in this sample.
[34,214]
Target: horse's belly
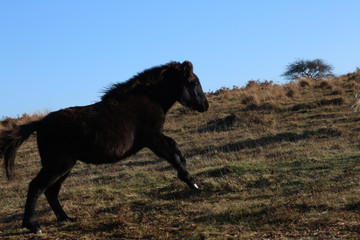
[102,155]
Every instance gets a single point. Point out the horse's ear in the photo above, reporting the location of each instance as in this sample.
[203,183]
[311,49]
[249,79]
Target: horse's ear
[187,68]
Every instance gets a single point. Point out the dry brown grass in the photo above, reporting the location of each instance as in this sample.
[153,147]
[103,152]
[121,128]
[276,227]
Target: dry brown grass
[9,122]
[305,82]
[289,173]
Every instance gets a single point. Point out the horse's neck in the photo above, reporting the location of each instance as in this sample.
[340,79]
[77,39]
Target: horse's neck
[166,104]
[164,98]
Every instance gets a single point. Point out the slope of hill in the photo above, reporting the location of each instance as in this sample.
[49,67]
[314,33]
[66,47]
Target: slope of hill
[273,162]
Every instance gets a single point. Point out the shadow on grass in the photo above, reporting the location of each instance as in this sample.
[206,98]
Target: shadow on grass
[320,103]
[218,124]
[186,194]
[253,218]
[262,216]
[252,143]
[19,216]
[354,207]
[268,140]
[19,234]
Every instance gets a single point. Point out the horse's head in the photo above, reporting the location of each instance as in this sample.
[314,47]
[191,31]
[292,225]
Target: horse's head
[192,95]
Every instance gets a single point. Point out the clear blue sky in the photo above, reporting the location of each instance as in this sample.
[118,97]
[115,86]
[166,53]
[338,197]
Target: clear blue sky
[56,54]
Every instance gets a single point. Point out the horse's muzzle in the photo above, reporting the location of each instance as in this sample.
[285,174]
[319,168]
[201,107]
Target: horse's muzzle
[203,107]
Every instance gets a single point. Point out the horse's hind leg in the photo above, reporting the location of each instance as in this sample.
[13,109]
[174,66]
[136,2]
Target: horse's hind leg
[45,178]
[52,197]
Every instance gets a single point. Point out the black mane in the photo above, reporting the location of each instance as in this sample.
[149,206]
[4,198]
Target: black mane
[148,77]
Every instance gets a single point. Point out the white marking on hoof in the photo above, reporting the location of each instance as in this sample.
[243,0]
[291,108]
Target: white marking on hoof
[196,186]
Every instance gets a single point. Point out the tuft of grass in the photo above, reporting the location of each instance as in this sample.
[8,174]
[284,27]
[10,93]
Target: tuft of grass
[249,100]
[325,84]
[305,83]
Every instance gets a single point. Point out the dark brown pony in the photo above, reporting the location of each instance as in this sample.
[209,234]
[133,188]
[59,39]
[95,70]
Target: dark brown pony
[129,117]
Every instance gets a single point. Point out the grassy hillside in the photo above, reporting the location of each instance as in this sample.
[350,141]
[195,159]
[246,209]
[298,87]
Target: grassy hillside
[274,162]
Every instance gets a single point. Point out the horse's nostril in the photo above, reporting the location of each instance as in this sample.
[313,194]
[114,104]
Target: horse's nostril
[206,106]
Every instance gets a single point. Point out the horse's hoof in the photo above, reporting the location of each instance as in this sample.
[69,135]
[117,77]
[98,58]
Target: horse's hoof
[195,187]
[69,219]
[33,228]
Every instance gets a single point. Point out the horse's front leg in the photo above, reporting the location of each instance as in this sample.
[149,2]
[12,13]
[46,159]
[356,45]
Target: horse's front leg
[166,147]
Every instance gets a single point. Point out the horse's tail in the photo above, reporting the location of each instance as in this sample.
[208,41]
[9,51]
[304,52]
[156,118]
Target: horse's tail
[11,140]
